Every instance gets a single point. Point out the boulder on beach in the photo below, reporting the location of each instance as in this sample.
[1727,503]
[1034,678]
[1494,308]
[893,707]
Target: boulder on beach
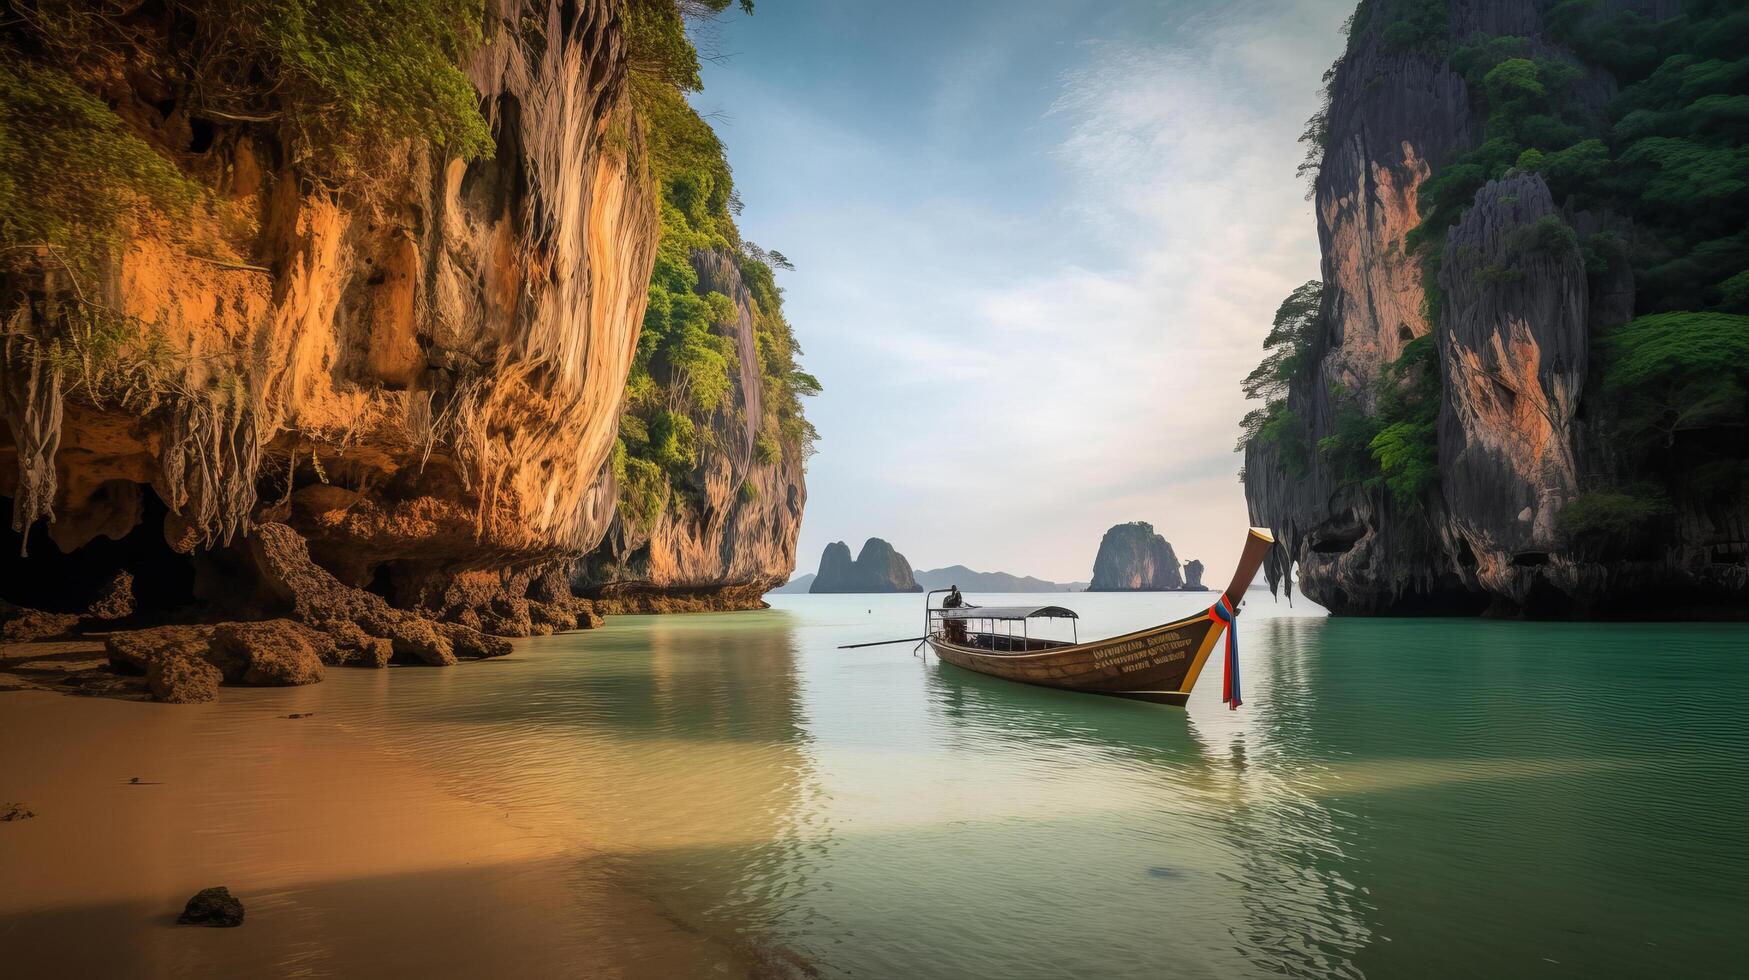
[212,907]
[276,653]
[21,625]
[183,680]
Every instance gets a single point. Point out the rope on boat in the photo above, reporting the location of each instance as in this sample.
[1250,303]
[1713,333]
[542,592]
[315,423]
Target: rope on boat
[1222,612]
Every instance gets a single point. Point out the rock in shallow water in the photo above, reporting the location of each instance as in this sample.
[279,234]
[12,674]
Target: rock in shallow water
[212,907]
[183,680]
[15,811]
[276,653]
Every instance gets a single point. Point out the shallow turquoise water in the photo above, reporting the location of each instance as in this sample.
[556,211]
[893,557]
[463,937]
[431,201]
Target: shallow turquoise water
[1424,798]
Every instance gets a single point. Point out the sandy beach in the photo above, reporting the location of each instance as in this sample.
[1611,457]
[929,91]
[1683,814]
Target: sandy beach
[349,859]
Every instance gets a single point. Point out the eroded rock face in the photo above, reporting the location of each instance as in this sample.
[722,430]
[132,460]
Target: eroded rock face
[1393,118]
[422,372]
[1132,558]
[877,568]
[1513,335]
[734,537]
[1513,360]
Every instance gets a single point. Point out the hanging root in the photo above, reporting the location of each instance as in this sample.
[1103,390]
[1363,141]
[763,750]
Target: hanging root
[212,452]
[30,399]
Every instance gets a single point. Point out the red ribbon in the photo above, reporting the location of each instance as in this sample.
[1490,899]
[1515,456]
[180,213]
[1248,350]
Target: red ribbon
[1222,612]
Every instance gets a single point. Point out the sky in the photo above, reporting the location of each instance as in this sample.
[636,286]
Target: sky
[1037,244]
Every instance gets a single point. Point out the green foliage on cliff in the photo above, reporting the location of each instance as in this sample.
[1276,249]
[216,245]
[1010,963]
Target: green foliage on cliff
[1616,523]
[1393,447]
[1671,153]
[1406,447]
[350,77]
[71,175]
[1678,384]
[1287,349]
[1404,24]
[337,84]
[687,364]
[1528,119]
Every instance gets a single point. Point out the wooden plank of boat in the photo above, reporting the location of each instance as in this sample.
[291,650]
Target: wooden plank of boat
[1159,664]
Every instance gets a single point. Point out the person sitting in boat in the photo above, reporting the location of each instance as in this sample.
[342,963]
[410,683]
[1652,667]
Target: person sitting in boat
[956,628]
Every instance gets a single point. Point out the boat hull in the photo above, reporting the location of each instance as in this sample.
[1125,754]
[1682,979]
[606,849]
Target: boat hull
[1159,664]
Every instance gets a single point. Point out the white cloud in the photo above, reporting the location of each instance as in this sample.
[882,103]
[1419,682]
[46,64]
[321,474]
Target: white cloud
[1009,374]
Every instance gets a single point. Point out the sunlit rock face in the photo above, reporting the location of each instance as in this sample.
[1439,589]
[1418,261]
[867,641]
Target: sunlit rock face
[733,536]
[1132,558]
[877,568]
[1515,444]
[1513,364]
[420,372]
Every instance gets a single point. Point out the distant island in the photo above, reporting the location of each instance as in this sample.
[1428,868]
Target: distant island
[886,570]
[877,568]
[1133,558]
[970,581]
[795,586]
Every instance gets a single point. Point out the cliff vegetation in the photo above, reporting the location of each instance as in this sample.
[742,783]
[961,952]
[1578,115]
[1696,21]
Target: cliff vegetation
[1523,366]
[686,357]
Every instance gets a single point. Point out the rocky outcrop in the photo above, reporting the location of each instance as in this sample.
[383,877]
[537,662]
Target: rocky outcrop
[420,371]
[315,621]
[730,535]
[1193,577]
[1132,558]
[877,568]
[1518,428]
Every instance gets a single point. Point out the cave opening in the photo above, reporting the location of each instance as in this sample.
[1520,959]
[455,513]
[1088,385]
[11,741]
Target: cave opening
[382,581]
[1530,559]
[57,581]
[200,135]
[1466,556]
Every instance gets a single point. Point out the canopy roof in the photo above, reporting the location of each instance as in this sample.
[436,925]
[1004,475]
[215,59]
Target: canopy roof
[1008,612]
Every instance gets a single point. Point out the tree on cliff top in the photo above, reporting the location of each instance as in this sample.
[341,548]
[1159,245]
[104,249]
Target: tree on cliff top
[1286,348]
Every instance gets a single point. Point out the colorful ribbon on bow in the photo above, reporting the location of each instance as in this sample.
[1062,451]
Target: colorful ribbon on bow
[1222,612]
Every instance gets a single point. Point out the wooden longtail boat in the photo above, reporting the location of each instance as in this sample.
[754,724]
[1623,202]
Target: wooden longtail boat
[1159,664]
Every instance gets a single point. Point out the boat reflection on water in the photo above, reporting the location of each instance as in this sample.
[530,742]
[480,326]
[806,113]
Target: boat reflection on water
[975,708]
[1227,854]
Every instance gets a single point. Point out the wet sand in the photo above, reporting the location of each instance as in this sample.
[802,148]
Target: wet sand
[349,858]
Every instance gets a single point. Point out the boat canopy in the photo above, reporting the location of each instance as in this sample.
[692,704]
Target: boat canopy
[1007,612]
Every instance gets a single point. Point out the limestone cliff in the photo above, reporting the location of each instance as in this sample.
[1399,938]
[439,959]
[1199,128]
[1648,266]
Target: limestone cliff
[730,536]
[419,368]
[1132,558]
[1444,408]
[326,319]
[877,568]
